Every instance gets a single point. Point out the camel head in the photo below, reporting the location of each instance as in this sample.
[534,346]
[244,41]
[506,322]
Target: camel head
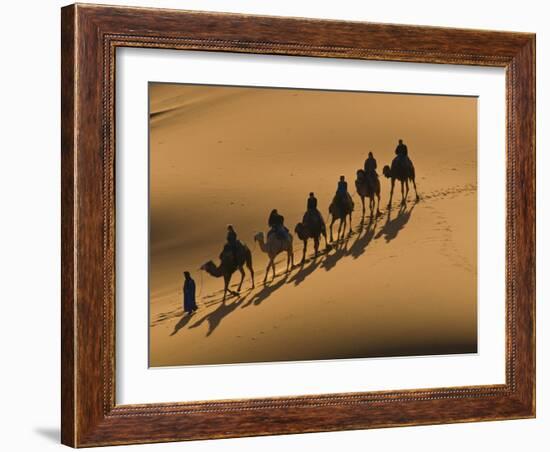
[386,171]
[259,237]
[212,270]
[360,174]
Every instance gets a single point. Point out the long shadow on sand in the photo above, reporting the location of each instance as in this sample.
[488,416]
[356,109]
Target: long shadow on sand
[215,317]
[353,244]
[182,322]
[266,291]
[364,233]
[392,227]
[304,270]
[326,260]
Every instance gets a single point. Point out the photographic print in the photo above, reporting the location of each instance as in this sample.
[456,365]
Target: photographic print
[297,224]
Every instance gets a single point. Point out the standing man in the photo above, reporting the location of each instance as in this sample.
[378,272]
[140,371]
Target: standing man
[189,302]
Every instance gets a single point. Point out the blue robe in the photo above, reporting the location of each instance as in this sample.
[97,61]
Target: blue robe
[189,303]
[342,189]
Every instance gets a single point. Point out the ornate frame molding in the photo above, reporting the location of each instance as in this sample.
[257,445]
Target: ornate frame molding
[90,37]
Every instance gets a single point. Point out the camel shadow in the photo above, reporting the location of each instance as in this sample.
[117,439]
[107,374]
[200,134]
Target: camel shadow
[392,227]
[215,317]
[305,270]
[340,251]
[266,291]
[365,234]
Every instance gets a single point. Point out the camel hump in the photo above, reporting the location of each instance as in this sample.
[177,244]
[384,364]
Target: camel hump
[241,247]
[313,220]
[341,205]
[240,253]
[402,167]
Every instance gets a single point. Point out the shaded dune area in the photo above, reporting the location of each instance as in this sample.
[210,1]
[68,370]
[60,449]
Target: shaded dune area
[402,283]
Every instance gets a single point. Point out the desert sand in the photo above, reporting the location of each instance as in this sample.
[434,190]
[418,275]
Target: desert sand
[402,284]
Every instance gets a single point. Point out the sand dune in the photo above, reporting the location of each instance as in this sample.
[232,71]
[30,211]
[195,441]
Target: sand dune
[404,284]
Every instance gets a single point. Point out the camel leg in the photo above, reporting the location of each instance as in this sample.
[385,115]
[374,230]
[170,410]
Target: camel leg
[273,268]
[344,225]
[225,286]
[326,242]
[371,206]
[289,260]
[267,270]
[316,245]
[227,289]
[363,202]
[391,192]
[402,192]
[304,251]
[407,189]
[251,270]
[331,223]
[242,279]
[227,281]
[378,205]
[414,185]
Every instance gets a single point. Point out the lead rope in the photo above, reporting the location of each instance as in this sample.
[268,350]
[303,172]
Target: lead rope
[200,288]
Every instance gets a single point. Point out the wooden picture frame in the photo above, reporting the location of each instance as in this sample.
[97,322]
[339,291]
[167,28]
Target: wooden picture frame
[90,36]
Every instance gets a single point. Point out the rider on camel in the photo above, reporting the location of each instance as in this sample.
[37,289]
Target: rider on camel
[312,212]
[370,165]
[342,189]
[342,194]
[232,244]
[276,223]
[312,202]
[401,149]
[370,171]
[403,153]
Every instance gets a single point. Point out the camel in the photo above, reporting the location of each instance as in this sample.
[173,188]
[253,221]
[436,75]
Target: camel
[230,265]
[401,169]
[273,247]
[368,189]
[340,211]
[309,228]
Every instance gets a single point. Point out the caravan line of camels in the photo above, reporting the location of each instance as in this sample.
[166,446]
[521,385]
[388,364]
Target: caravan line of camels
[236,255]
